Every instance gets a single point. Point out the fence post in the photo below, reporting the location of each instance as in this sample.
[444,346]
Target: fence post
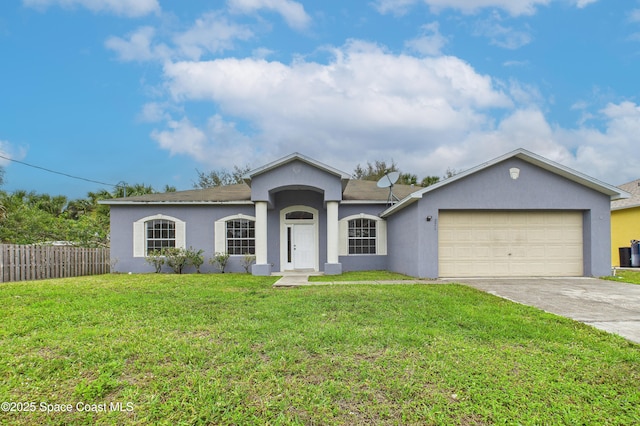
[2,279]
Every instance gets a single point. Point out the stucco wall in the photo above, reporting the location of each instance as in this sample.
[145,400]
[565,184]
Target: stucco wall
[199,233]
[625,226]
[406,243]
[200,230]
[362,262]
[493,189]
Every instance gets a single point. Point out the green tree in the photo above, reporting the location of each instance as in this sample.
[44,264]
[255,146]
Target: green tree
[377,169]
[429,180]
[408,179]
[374,171]
[30,218]
[220,177]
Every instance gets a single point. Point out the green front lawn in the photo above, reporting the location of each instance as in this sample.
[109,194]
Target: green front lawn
[361,276]
[632,277]
[230,349]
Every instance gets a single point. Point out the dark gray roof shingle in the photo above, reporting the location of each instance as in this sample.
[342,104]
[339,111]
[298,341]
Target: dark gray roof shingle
[356,190]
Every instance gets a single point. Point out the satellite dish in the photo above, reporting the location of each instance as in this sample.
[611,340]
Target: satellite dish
[387,181]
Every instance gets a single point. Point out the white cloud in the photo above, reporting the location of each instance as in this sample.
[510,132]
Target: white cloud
[365,100]
[218,144]
[396,7]
[212,33]
[584,3]
[427,114]
[138,46]
[430,42]
[182,137]
[153,112]
[501,36]
[513,7]
[515,63]
[607,153]
[291,11]
[130,8]
[634,15]
[600,153]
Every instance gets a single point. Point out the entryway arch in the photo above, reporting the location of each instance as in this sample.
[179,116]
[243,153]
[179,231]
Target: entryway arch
[299,242]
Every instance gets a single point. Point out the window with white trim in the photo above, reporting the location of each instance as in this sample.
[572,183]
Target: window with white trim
[362,236]
[235,235]
[241,236]
[161,234]
[157,232]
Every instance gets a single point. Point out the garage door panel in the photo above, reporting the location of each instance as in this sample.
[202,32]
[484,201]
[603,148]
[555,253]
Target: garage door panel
[510,243]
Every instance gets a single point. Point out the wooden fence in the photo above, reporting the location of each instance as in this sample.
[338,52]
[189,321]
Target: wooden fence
[35,262]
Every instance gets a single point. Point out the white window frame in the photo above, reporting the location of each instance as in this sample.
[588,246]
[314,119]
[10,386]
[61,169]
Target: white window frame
[140,233]
[381,235]
[220,232]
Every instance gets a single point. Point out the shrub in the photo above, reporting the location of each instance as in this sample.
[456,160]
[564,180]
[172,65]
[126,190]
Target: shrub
[247,261]
[156,258]
[195,258]
[176,258]
[219,260]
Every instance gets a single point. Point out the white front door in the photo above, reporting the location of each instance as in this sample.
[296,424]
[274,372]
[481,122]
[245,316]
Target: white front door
[299,238]
[303,246]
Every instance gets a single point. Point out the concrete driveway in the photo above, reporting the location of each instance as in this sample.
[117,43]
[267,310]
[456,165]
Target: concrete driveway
[610,306]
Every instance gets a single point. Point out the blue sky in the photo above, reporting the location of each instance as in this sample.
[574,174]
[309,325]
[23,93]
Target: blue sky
[149,91]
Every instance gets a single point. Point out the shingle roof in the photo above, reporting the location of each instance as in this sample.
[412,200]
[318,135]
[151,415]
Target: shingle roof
[219,194]
[632,188]
[367,190]
[356,190]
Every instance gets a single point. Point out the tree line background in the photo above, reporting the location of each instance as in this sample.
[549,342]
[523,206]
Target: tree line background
[27,217]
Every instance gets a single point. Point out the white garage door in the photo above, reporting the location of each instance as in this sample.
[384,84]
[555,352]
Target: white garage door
[494,244]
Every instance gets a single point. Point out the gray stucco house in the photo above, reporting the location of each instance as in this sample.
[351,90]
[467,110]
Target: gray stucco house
[517,215]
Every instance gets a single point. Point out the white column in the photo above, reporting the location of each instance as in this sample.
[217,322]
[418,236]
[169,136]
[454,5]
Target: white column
[261,232]
[332,232]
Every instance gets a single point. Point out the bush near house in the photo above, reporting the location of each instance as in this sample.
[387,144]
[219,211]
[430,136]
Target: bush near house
[220,260]
[176,258]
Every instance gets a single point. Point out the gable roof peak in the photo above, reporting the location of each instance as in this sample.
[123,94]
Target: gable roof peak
[292,157]
[524,155]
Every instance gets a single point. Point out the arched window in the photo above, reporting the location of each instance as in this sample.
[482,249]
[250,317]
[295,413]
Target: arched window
[362,234]
[161,234]
[157,232]
[299,215]
[241,236]
[235,235]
